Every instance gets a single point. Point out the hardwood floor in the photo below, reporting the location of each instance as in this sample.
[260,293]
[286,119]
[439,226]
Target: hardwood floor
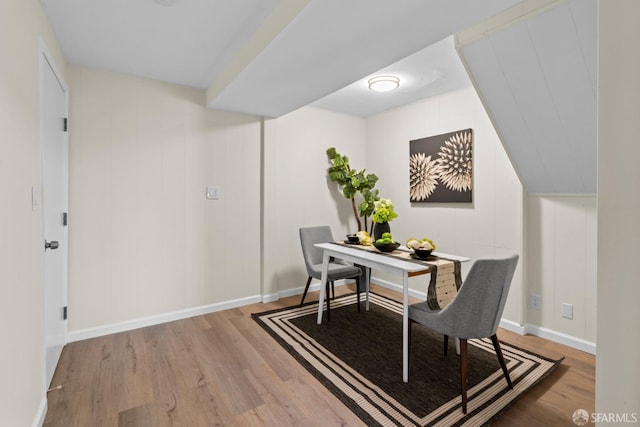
[222,369]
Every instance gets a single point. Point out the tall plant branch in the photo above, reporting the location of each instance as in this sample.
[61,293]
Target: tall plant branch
[352,183]
[355,214]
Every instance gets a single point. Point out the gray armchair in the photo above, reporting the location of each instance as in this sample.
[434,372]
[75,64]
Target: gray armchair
[338,269]
[474,313]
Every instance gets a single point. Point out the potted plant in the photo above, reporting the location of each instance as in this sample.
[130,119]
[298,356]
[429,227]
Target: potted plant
[383,213]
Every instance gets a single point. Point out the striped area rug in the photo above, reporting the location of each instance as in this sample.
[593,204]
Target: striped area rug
[358,356]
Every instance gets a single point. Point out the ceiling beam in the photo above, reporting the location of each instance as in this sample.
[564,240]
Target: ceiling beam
[508,17]
[284,13]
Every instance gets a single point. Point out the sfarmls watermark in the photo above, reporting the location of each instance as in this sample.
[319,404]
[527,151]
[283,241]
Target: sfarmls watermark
[582,417]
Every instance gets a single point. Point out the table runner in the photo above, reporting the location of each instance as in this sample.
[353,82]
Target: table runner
[445,279]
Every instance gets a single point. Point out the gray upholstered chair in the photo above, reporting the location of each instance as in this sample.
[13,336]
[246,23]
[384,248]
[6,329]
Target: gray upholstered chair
[338,269]
[475,312]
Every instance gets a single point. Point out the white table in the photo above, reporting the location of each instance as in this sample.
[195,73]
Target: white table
[383,262]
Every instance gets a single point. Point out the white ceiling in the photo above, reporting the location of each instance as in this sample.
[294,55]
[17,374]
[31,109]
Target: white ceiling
[533,65]
[269,57]
[434,70]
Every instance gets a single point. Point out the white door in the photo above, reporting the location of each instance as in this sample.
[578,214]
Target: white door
[54,146]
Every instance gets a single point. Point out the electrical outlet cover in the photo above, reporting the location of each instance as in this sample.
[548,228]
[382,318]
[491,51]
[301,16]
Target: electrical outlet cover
[213,193]
[535,302]
[567,311]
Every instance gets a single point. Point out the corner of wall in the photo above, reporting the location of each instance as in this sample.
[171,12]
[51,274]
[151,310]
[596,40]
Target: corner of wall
[41,413]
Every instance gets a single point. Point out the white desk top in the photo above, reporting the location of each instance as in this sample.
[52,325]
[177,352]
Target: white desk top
[380,259]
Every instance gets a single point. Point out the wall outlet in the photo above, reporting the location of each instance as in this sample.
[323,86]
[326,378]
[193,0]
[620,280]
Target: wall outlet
[567,311]
[213,193]
[535,302]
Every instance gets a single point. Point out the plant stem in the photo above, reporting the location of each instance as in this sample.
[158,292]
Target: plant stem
[355,213]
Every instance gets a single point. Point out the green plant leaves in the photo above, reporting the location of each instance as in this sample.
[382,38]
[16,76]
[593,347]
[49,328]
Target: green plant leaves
[369,197]
[353,182]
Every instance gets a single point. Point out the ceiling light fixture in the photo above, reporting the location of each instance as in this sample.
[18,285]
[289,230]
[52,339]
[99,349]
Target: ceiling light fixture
[384,83]
[166,3]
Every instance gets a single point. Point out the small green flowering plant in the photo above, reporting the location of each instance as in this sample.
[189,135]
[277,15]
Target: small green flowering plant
[383,211]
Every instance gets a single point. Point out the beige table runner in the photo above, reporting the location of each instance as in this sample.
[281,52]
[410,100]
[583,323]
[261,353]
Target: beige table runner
[445,277]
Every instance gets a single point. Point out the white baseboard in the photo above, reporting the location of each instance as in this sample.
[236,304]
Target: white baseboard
[512,326]
[99,331]
[558,337]
[561,338]
[38,420]
[316,287]
[270,297]
[298,291]
[129,325]
[551,335]
[398,288]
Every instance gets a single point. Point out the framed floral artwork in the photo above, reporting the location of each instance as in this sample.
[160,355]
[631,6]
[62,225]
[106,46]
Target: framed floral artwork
[441,168]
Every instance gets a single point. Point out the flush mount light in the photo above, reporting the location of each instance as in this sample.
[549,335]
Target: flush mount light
[166,3]
[383,83]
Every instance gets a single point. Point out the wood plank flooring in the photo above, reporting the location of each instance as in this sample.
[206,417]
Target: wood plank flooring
[222,369]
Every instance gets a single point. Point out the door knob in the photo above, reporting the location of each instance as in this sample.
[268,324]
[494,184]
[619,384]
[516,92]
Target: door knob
[51,245]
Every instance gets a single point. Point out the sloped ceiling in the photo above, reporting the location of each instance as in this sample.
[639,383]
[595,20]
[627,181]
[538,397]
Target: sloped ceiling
[333,43]
[533,62]
[537,77]
[261,57]
[187,42]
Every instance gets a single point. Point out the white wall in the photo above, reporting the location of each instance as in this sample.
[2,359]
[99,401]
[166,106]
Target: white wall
[562,262]
[22,23]
[299,192]
[617,367]
[492,225]
[206,147]
[144,241]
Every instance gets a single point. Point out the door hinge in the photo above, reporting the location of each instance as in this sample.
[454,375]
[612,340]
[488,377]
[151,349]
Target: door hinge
[65,219]
[65,124]
[64,313]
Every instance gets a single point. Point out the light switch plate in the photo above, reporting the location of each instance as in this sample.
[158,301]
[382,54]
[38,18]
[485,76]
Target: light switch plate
[567,311]
[35,199]
[213,192]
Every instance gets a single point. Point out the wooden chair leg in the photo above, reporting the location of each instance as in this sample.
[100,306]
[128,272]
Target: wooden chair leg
[306,288]
[333,292]
[463,373]
[358,291]
[328,302]
[446,344]
[411,322]
[503,365]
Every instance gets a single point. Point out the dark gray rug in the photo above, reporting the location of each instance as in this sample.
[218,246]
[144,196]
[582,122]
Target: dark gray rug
[358,356]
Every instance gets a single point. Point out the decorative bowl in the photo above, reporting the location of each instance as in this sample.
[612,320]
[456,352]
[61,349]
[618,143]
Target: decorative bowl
[386,247]
[422,253]
[353,238]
